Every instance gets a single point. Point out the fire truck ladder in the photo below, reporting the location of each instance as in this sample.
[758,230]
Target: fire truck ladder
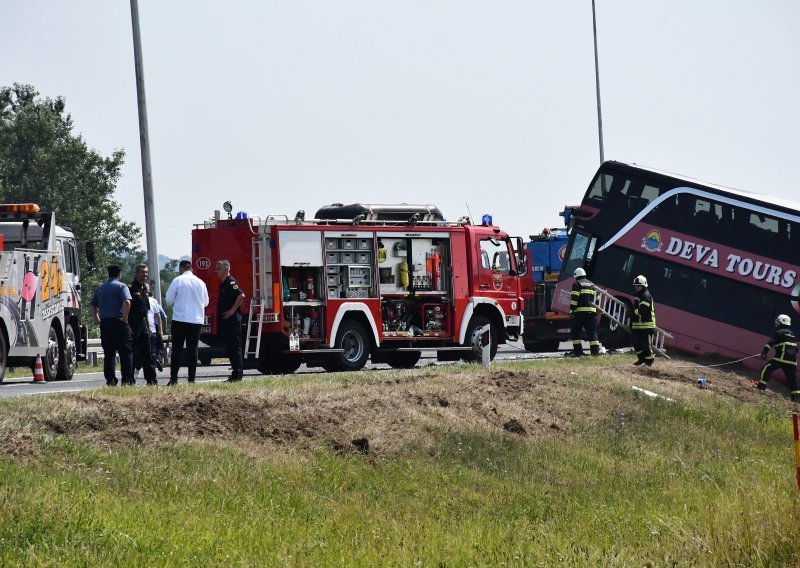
[255,319]
[617,313]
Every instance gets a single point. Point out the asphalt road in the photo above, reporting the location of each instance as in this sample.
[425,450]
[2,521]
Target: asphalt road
[25,386]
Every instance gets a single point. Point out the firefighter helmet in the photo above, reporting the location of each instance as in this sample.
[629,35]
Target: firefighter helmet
[579,273]
[640,281]
[783,319]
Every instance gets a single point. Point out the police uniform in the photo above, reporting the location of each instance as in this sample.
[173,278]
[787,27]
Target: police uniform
[583,311]
[784,342]
[142,353]
[115,335]
[230,329]
[643,327]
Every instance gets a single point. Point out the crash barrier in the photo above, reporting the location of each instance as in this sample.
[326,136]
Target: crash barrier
[94,351]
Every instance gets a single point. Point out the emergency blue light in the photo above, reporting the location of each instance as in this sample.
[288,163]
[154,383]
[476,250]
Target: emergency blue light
[241,215]
[486,220]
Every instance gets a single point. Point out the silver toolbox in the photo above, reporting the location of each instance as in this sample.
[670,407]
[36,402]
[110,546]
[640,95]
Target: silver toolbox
[362,258]
[364,244]
[333,280]
[348,244]
[332,257]
[331,244]
[347,258]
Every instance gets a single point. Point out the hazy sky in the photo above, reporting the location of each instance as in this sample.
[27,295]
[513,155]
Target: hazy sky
[280,106]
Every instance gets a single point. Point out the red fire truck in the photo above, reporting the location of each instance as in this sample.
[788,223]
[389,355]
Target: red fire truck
[361,281]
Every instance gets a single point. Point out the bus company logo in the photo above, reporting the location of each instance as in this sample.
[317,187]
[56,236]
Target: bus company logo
[652,241]
[203,263]
[562,252]
[796,298]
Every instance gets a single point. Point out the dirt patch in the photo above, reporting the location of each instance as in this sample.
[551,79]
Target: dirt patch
[375,416]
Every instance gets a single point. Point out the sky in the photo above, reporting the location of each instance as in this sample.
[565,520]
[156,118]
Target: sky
[482,106]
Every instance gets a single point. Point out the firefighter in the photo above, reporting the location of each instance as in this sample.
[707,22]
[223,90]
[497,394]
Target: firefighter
[643,324]
[784,342]
[140,305]
[110,307]
[583,311]
[229,319]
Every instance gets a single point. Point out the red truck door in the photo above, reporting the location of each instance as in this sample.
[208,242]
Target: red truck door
[496,275]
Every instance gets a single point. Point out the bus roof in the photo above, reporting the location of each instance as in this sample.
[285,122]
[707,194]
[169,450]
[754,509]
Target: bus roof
[767,199]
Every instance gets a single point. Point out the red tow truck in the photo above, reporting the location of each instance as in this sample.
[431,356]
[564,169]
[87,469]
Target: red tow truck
[362,281]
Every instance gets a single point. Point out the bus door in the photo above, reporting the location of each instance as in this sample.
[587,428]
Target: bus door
[580,254]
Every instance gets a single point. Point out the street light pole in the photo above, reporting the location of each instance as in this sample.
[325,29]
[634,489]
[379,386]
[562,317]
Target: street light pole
[144,140]
[597,85]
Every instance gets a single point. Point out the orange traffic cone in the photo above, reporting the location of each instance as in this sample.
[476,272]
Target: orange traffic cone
[38,371]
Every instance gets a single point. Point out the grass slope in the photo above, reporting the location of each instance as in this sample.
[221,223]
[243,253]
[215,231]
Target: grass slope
[546,463]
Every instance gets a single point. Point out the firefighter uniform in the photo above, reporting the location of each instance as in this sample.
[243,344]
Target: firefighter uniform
[140,328]
[643,326]
[583,311]
[784,342]
[230,329]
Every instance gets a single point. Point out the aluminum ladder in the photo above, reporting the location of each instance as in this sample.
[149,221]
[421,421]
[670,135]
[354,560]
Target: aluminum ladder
[618,314]
[255,319]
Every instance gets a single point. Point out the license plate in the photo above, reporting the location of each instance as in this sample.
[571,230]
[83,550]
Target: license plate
[563,330]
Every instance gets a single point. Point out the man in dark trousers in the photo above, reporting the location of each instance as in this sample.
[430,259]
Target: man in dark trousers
[583,311]
[140,305]
[643,323]
[784,342]
[229,319]
[110,306]
[188,297]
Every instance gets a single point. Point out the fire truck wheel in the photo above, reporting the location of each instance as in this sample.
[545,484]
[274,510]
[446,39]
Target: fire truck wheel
[403,359]
[69,356]
[353,340]
[3,356]
[474,323]
[52,356]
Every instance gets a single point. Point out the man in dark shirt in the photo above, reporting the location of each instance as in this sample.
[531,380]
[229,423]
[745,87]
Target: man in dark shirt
[140,305]
[110,306]
[229,319]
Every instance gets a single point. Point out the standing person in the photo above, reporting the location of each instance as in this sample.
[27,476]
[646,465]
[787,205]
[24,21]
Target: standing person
[156,324]
[784,342]
[188,297]
[110,306]
[229,319]
[643,324]
[140,305]
[583,311]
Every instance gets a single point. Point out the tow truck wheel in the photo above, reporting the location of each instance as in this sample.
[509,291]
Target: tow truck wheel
[69,356]
[353,340]
[475,323]
[612,335]
[3,356]
[52,356]
[403,359]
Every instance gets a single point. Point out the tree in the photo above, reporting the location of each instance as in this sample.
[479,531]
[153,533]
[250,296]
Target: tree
[42,161]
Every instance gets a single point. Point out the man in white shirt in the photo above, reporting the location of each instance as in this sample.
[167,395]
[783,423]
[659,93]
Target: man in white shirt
[188,297]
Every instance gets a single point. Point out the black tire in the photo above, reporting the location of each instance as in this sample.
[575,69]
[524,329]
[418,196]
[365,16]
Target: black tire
[204,360]
[402,359]
[3,356]
[611,335]
[475,323]
[51,360]
[353,338]
[542,345]
[69,356]
[273,363]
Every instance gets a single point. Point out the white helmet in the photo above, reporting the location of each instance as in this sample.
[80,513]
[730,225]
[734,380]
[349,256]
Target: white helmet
[783,319]
[640,281]
[579,273]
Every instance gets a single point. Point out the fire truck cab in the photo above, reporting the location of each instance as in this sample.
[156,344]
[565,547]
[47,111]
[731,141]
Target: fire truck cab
[362,281]
[40,293]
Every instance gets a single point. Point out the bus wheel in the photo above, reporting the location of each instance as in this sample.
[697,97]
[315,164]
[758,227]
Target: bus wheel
[475,323]
[403,359]
[612,335]
[542,345]
[352,339]
[271,363]
[3,356]
[69,357]
[52,356]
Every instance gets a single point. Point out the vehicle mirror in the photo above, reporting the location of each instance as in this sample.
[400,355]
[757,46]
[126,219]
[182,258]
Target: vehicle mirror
[91,262]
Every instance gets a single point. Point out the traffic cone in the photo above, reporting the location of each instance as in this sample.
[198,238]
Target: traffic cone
[38,371]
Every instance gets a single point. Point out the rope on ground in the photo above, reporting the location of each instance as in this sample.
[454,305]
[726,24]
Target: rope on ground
[694,365]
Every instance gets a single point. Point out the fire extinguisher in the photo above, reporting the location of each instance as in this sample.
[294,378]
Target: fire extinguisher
[310,287]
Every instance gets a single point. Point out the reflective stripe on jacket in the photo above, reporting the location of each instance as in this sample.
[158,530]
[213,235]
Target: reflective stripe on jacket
[644,311]
[582,297]
[784,342]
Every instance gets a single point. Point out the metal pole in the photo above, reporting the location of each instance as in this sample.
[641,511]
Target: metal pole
[144,139]
[597,85]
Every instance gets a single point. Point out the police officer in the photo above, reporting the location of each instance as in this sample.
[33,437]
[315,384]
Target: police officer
[140,328]
[229,319]
[583,311]
[110,306]
[784,342]
[643,324]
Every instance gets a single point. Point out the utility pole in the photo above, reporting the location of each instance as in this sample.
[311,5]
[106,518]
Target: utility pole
[597,85]
[147,177]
